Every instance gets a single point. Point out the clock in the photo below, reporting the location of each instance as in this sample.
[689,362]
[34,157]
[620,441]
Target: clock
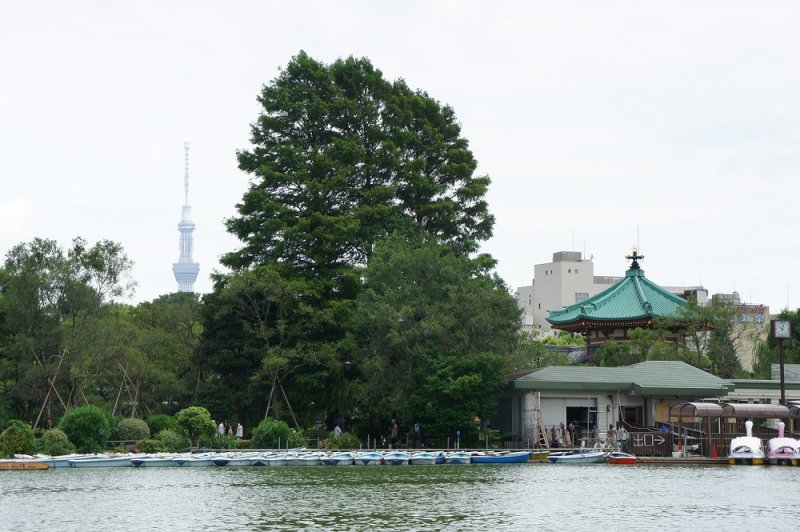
[781,329]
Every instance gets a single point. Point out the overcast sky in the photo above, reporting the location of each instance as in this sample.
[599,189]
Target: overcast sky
[592,119]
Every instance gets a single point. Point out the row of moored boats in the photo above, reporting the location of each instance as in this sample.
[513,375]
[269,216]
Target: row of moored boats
[279,458]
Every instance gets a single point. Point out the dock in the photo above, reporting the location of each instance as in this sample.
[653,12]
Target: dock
[16,465]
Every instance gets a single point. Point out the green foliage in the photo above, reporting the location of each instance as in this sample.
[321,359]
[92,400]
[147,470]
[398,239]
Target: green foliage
[87,427]
[159,422]
[152,446]
[430,324]
[55,442]
[532,352]
[196,421]
[17,438]
[347,440]
[52,301]
[273,434]
[217,441]
[131,429]
[172,440]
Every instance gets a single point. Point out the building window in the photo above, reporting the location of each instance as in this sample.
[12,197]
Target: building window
[581,296]
[569,270]
[759,318]
[540,306]
[744,318]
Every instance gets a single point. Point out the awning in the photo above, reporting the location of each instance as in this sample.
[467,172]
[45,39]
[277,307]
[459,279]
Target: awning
[755,410]
[687,409]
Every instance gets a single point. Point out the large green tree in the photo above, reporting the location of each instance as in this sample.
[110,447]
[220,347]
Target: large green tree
[51,300]
[435,328]
[340,158]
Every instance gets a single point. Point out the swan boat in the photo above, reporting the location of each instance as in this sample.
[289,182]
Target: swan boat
[747,449]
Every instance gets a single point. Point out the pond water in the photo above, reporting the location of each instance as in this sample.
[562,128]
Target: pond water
[445,497]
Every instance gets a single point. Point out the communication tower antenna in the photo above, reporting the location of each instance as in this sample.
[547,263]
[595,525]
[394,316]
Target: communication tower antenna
[186,269]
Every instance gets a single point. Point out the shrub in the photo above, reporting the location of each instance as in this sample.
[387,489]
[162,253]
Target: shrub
[172,440]
[272,434]
[243,444]
[217,441]
[18,438]
[87,427]
[196,421]
[55,442]
[347,440]
[132,429]
[151,446]
[159,422]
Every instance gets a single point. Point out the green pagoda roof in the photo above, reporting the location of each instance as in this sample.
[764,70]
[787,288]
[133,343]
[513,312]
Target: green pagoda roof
[645,378]
[633,299]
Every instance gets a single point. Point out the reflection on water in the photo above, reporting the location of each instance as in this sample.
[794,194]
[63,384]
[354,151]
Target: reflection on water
[499,497]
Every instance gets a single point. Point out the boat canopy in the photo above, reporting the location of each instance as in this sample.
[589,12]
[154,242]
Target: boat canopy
[755,410]
[688,409]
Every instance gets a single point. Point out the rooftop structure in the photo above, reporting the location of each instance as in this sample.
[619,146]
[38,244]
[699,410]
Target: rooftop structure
[186,270]
[569,279]
[632,302]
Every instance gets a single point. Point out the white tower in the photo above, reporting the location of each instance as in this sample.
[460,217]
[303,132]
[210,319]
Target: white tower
[185,270]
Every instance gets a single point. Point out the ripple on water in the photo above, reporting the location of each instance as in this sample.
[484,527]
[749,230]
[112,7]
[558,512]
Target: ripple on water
[500,497]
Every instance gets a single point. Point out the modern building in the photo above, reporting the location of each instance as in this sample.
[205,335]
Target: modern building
[570,279]
[751,327]
[186,270]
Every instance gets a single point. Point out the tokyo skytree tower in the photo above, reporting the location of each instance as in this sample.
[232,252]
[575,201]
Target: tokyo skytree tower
[185,270]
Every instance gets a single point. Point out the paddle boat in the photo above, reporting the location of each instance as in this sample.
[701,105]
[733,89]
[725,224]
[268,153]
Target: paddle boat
[501,457]
[233,459]
[781,450]
[369,458]
[618,457]
[304,459]
[426,458]
[457,457]
[155,460]
[339,459]
[102,460]
[578,457]
[396,458]
[746,449]
[194,460]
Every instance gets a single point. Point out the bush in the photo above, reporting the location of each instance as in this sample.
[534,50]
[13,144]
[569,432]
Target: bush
[87,427]
[18,438]
[347,440]
[132,429]
[272,434]
[173,440]
[196,421]
[159,422]
[217,441]
[243,444]
[151,446]
[55,442]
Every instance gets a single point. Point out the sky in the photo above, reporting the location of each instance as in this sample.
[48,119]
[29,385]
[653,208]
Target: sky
[602,125]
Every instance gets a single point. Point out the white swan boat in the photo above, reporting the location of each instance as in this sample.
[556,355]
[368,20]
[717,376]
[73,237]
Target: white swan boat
[747,449]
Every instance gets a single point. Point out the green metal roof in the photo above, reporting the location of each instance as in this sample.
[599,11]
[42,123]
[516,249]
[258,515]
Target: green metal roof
[645,378]
[632,298]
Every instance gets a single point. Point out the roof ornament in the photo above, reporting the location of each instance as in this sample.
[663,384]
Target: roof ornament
[635,257]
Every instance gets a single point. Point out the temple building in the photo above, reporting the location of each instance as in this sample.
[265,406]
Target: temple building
[631,303]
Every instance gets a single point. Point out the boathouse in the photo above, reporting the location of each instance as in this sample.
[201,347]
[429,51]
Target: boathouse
[595,397]
[633,302]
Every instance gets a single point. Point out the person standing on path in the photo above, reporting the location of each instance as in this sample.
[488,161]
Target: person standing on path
[239,431]
[394,433]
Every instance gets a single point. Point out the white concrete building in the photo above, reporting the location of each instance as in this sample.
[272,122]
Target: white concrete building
[567,280]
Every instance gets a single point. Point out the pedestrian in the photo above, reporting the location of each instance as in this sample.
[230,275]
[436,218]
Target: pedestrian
[337,432]
[395,430]
[611,436]
[239,431]
[228,429]
[221,429]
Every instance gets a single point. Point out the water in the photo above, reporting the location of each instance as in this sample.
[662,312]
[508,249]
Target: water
[476,497]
